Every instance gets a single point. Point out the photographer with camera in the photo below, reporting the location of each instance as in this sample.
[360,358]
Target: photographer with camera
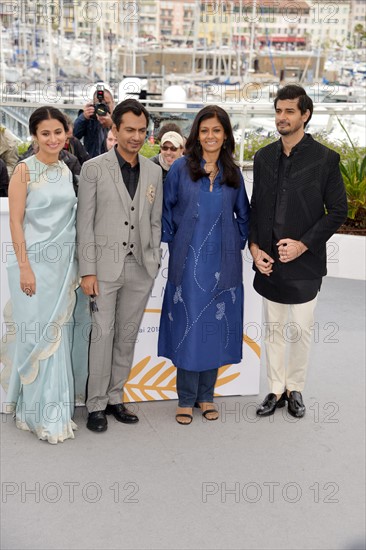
[94,122]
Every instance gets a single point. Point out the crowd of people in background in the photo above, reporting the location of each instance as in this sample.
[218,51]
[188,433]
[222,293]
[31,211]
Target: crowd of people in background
[102,194]
[88,136]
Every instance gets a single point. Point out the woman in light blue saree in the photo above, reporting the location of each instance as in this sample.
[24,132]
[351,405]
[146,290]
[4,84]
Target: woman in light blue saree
[43,279]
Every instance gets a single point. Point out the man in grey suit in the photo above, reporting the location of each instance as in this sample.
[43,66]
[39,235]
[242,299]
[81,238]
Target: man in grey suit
[118,233]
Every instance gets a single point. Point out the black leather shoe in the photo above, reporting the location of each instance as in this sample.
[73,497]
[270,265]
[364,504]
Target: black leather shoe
[296,406]
[97,421]
[122,414]
[270,404]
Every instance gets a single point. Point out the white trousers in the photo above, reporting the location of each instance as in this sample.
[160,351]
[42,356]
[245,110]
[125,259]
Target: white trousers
[287,339]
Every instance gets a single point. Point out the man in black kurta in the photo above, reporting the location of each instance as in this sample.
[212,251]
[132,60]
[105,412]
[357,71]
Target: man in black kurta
[298,202]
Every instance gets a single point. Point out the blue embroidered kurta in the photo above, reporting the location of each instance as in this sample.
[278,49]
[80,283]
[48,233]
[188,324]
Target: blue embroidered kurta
[201,326]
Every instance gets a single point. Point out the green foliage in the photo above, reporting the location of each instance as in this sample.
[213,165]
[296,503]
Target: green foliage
[342,147]
[23,147]
[253,142]
[352,166]
[354,176]
[353,169]
[148,150]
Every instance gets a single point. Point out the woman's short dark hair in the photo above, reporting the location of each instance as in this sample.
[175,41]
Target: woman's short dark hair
[46,113]
[127,106]
[193,149]
[293,91]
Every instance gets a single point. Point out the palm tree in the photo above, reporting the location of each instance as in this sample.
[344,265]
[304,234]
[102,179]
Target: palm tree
[360,34]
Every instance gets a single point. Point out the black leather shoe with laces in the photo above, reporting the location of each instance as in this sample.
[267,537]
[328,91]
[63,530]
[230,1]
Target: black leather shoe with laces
[97,421]
[121,414]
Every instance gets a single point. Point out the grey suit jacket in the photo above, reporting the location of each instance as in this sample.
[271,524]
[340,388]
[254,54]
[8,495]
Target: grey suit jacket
[102,212]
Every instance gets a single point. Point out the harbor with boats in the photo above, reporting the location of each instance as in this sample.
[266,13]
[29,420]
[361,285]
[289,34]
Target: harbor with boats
[177,59]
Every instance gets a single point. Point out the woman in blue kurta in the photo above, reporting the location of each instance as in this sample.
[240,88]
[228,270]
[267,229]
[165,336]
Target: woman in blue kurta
[205,221]
[42,281]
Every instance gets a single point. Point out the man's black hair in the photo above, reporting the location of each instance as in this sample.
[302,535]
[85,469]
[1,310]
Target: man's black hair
[129,106]
[293,91]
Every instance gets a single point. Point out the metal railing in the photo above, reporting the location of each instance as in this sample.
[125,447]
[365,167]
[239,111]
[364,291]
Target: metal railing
[252,117]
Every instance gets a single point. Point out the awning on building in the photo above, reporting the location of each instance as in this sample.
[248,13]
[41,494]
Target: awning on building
[288,39]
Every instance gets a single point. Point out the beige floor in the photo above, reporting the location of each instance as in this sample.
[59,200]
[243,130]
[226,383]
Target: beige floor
[239,483]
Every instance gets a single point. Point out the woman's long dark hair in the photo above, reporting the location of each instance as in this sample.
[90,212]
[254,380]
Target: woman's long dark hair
[193,151]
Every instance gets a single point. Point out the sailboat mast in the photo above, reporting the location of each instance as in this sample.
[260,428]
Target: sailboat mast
[252,31]
[50,49]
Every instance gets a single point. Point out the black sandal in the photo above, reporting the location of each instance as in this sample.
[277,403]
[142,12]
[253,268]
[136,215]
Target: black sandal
[205,413]
[208,411]
[185,416]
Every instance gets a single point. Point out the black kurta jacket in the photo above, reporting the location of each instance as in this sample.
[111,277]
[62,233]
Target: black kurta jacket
[316,204]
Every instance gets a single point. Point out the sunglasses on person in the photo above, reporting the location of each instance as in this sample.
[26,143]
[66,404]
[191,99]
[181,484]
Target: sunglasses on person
[167,147]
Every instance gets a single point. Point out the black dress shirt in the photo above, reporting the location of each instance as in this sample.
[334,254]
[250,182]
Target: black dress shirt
[130,174]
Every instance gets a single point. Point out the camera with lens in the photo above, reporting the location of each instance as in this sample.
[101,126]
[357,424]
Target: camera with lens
[100,108]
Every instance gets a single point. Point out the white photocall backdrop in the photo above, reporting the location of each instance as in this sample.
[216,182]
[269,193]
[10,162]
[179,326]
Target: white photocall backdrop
[152,377]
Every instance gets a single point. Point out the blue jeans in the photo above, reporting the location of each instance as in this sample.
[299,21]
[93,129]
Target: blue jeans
[195,386]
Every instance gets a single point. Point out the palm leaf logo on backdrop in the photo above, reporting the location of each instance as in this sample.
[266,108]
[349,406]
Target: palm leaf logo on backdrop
[148,383]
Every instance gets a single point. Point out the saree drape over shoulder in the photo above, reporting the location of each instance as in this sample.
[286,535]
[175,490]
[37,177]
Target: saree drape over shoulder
[40,329]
